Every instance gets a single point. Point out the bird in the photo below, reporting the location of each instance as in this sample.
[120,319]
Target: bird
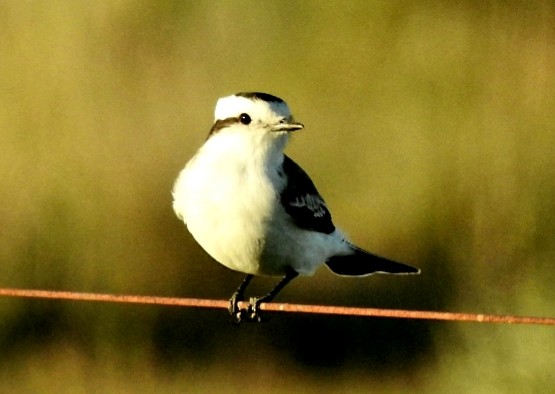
[256,211]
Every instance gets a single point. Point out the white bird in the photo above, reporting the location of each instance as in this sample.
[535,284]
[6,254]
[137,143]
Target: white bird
[255,210]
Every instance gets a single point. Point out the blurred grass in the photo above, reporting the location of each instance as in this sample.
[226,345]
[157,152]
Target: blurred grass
[430,130]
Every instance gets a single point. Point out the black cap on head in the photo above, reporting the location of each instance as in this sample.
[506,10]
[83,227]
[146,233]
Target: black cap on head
[260,96]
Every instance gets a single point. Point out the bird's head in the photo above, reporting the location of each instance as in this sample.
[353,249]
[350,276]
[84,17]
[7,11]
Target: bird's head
[254,115]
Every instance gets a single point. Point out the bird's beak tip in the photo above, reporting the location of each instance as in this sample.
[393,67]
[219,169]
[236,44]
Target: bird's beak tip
[288,127]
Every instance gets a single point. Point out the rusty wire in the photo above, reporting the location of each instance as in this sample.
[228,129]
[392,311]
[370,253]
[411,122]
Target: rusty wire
[279,307]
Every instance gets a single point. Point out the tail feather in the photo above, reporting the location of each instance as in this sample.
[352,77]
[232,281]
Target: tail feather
[362,263]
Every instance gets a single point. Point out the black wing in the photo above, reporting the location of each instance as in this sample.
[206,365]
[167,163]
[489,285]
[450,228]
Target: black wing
[302,201]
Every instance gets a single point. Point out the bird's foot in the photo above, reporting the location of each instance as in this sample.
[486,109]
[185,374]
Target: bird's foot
[253,311]
[237,315]
[250,314]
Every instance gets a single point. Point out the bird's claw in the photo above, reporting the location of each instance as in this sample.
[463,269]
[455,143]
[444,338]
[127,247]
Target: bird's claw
[253,311]
[250,314]
[237,315]
[233,306]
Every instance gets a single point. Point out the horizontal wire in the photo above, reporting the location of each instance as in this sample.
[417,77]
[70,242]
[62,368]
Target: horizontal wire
[279,307]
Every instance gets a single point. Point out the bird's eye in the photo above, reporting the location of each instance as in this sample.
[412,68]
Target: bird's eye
[245,118]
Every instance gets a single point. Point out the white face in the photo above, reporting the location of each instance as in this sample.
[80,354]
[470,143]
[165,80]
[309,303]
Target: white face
[260,111]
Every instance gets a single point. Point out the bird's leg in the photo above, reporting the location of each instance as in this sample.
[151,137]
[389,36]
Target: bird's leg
[254,302]
[233,307]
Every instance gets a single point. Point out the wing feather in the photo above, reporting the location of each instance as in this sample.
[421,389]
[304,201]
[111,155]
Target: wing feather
[302,201]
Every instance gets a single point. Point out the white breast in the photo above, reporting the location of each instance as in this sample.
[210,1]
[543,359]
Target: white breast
[225,197]
[228,195]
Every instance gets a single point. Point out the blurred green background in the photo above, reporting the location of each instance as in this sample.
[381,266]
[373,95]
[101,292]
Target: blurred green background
[430,130]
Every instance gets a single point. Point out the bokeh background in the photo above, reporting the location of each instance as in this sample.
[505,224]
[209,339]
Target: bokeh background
[430,130]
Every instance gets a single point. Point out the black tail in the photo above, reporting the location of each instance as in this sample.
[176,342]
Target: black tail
[362,263]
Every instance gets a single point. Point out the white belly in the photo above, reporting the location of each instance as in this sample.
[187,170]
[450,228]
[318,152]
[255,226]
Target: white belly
[223,209]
